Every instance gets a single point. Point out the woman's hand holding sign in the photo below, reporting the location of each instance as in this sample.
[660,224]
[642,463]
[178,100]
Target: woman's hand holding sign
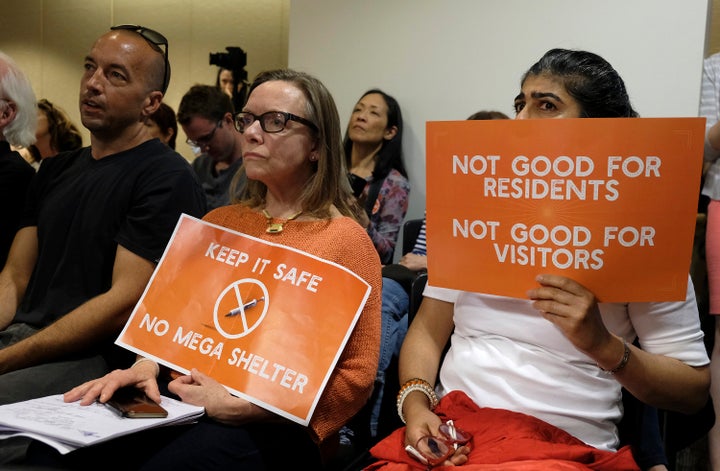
[201,390]
[574,310]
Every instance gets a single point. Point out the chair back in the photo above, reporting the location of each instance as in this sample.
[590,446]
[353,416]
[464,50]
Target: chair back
[411,230]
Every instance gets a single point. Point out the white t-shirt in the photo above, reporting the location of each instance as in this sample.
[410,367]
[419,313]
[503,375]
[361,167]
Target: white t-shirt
[505,355]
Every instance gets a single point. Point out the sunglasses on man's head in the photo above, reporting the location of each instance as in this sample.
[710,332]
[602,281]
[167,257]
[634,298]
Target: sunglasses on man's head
[155,39]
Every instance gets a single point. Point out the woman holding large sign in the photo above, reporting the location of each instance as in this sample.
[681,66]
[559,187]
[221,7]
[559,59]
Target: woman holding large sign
[555,362]
[297,195]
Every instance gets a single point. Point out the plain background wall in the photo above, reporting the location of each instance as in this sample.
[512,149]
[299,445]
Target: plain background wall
[50,38]
[445,59]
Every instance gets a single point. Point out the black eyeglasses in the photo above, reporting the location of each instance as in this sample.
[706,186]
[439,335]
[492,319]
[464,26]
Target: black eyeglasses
[271,121]
[204,141]
[155,39]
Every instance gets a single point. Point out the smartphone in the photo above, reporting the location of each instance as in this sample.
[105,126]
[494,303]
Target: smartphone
[134,403]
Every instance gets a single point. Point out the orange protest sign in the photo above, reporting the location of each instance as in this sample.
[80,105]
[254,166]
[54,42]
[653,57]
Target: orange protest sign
[610,203]
[267,321]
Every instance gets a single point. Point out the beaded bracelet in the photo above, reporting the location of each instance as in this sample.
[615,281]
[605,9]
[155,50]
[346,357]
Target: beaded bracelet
[415,384]
[623,360]
[157,367]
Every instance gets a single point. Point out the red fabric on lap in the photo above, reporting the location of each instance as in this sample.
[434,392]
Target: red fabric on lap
[505,440]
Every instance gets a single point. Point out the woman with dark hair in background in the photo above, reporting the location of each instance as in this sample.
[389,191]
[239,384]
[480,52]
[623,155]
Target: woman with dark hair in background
[487,114]
[225,81]
[373,149]
[163,125]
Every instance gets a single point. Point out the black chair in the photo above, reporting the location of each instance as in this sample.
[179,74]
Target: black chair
[677,430]
[416,295]
[411,230]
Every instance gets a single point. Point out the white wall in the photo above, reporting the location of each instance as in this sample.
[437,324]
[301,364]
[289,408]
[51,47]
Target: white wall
[445,59]
[50,38]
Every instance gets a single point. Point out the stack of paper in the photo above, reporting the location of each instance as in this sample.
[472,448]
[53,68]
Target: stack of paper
[69,426]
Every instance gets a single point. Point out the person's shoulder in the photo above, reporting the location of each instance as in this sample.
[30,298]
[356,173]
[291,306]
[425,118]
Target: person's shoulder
[67,155]
[233,167]
[156,148]
[346,222]
[396,176]
[155,153]
[13,165]
[712,61]
[223,210]
[202,161]
[395,179]
[352,232]
[221,214]
[358,250]
[62,160]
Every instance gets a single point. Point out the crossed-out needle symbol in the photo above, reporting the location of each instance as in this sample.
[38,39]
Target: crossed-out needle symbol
[240,312]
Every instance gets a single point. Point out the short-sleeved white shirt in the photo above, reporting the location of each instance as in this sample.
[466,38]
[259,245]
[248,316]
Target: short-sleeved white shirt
[505,355]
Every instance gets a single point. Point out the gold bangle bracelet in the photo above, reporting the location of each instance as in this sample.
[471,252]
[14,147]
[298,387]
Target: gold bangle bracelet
[415,384]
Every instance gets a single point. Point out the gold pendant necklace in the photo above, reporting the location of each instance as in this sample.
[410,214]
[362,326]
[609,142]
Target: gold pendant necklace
[277,227]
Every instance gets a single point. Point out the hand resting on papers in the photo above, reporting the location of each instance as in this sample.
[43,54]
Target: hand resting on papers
[142,375]
[196,388]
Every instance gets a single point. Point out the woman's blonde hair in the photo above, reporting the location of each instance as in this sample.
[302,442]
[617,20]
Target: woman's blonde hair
[329,184]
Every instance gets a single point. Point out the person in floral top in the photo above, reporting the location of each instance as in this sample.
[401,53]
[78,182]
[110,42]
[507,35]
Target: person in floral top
[373,149]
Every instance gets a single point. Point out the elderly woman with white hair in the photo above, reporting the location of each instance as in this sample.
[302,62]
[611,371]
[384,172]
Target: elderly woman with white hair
[18,118]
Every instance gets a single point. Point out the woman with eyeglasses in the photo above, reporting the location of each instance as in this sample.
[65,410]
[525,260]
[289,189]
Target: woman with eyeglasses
[373,149]
[297,195]
[537,381]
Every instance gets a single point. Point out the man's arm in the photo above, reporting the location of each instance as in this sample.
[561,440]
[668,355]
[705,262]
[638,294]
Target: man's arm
[90,323]
[16,273]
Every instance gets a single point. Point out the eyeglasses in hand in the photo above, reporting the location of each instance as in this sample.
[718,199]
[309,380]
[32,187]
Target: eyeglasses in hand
[155,39]
[433,451]
[271,121]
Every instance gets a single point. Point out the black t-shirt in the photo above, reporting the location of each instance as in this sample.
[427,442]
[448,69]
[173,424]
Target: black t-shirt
[83,208]
[15,177]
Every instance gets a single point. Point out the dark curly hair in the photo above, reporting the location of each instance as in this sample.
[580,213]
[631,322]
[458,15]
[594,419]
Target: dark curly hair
[589,79]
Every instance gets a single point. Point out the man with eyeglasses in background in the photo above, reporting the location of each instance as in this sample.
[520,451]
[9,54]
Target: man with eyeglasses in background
[97,222]
[206,115]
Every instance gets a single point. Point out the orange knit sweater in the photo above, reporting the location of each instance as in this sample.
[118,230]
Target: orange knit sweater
[343,241]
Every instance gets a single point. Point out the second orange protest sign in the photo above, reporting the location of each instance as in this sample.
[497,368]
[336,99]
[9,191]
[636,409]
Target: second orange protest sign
[610,203]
